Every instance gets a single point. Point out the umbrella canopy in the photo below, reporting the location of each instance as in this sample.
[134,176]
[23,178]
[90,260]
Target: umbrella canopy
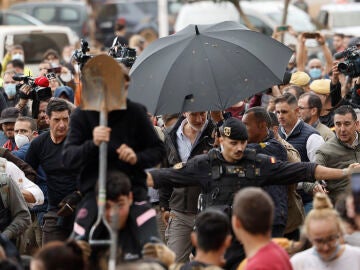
[206,67]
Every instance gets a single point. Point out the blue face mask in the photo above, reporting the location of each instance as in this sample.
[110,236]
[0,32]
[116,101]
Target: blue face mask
[332,256]
[315,73]
[10,89]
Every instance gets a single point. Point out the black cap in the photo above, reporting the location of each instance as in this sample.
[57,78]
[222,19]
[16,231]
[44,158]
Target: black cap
[9,115]
[234,129]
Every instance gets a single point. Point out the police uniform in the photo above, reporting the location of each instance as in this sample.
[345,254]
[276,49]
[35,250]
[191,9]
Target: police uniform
[220,179]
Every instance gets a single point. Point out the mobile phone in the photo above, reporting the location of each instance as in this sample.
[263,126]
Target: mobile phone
[282,28]
[55,70]
[311,35]
[355,187]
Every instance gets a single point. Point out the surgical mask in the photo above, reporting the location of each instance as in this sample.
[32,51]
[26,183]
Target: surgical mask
[315,73]
[21,139]
[66,77]
[10,89]
[332,256]
[18,56]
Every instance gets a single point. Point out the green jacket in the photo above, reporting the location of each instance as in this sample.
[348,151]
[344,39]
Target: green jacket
[336,154]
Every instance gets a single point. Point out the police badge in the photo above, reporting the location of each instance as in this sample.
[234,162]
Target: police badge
[227,131]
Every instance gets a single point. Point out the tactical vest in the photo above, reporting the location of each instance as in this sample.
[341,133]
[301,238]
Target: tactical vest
[227,179]
[5,215]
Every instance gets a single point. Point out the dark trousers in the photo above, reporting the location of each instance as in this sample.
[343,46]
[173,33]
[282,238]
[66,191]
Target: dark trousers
[55,227]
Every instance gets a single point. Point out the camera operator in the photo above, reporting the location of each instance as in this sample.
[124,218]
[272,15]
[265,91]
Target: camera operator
[35,89]
[62,72]
[349,67]
[11,92]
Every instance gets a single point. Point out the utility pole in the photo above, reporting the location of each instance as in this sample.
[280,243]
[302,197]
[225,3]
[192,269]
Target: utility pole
[163,18]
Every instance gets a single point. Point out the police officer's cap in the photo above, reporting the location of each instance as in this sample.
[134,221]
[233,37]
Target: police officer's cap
[234,129]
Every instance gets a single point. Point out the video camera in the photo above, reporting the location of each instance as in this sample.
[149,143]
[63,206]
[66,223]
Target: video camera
[351,64]
[25,79]
[124,55]
[39,89]
[80,55]
[121,54]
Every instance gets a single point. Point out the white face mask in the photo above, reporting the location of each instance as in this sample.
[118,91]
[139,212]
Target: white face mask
[21,139]
[18,56]
[66,77]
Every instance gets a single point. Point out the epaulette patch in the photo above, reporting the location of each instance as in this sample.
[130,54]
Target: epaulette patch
[178,166]
[263,144]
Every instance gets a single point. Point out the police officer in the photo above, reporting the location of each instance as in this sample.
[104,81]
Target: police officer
[221,173]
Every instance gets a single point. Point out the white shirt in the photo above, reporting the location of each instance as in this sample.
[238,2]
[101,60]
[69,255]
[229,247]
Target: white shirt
[183,143]
[24,183]
[309,260]
[312,144]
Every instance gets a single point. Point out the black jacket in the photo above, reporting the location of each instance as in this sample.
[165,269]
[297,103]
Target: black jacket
[184,199]
[132,127]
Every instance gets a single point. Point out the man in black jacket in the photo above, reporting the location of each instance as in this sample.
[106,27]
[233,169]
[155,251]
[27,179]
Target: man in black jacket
[221,174]
[133,146]
[190,136]
[257,120]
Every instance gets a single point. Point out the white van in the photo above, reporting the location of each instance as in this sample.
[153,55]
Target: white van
[35,41]
[341,18]
[265,16]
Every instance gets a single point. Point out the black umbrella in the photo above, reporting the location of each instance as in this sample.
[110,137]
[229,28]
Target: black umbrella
[206,67]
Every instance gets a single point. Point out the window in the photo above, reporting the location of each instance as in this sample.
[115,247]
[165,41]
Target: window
[11,19]
[68,15]
[36,44]
[45,14]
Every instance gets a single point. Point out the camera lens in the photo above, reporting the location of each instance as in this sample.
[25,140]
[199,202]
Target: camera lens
[343,67]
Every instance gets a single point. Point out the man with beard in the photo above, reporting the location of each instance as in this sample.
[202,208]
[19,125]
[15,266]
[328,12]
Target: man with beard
[222,174]
[7,121]
[309,110]
[189,137]
[42,118]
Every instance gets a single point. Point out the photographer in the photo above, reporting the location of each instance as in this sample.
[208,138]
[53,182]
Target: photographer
[63,73]
[36,89]
[338,97]
[315,67]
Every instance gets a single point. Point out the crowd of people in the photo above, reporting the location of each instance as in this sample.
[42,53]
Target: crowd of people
[264,184]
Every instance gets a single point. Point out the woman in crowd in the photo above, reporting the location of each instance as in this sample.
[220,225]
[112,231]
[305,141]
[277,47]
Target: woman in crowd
[323,229]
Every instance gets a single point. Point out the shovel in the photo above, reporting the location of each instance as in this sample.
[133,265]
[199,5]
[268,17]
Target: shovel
[103,91]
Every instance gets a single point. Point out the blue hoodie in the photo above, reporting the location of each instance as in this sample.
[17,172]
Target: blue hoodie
[66,90]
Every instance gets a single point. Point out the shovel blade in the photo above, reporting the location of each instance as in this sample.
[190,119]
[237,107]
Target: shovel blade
[103,85]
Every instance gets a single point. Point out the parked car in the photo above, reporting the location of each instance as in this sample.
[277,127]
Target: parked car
[340,18]
[11,17]
[74,14]
[140,17]
[35,41]
[265,16]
